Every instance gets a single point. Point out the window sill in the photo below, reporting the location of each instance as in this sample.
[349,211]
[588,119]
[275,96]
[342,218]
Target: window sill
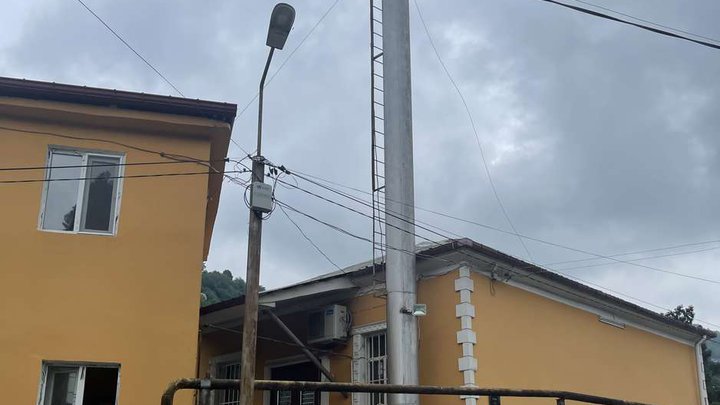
[78,232]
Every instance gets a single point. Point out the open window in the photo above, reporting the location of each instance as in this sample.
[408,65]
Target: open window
[82,191]
[79,384]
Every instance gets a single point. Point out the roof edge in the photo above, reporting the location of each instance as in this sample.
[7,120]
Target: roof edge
[68,93]
[466,243]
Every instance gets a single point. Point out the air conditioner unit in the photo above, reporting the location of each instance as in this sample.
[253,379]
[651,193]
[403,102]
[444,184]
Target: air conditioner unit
[328,325]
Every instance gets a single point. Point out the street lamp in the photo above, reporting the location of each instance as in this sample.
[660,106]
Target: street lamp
[281,22]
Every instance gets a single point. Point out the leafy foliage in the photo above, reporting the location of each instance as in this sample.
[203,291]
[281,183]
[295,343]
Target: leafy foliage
[220,286]
[686,314]
[682,313]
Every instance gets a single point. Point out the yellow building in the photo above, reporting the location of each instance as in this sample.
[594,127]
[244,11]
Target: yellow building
[492,321]
[103,239]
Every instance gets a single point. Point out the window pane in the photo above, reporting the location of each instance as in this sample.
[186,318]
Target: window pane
[61,386]
[229,371]
[61,195]
[100,386]
[100,190]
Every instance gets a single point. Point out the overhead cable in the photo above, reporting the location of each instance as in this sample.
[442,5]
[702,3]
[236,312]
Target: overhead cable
[529,275]
[641,26]
[282,65]
[474,129]
[118,177]
[614,259]
[647,21]
[314,245]
[131,48]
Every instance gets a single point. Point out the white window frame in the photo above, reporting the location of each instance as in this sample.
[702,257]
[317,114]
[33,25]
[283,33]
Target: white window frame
[360,359]
[214,366]
[79,207]
[82,369]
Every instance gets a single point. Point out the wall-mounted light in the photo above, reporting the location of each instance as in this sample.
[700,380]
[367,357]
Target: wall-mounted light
[417,310]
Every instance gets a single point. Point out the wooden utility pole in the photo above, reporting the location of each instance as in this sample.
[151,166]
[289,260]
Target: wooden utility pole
[281,21]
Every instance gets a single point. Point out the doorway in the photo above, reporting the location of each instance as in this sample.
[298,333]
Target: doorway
[305,371]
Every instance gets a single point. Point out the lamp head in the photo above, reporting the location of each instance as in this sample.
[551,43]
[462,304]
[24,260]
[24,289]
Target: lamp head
[281,22]
[417,310]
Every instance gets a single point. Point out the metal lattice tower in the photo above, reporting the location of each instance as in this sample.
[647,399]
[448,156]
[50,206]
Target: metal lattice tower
[377,120]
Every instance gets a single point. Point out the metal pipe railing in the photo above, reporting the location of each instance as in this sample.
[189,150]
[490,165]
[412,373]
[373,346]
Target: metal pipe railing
[266,385]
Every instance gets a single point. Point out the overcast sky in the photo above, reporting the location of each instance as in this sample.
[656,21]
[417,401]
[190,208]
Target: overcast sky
[599,136]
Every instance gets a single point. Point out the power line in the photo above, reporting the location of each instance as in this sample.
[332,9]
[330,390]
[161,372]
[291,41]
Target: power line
[646,21]
[631,297]
[638,252]
[21,168]
[474,129]
[523,236]
[641,26]
[645,258]
[305,177]
[352,235]
[171,156]
[131,48]
[166,155]
[310,240]
[284,62]
[118,177]
[530,275]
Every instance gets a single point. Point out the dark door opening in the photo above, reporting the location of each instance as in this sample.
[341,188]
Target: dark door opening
[295,372]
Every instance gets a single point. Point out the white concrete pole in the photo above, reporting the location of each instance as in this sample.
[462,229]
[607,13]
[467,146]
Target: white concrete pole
[402,339]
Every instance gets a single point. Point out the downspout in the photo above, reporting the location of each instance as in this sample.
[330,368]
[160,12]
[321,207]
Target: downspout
[701,371]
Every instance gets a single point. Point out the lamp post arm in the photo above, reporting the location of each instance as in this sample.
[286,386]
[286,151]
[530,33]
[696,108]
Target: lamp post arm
[260,101]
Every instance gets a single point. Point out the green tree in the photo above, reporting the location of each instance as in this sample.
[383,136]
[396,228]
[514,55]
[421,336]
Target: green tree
[220,286]
[686,314]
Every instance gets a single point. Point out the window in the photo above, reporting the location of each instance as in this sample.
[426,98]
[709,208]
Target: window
[78,384]
[369,361]
[81,192]
[376,365]
[228,370]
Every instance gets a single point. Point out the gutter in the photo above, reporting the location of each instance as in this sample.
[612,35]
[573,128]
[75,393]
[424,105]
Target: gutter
[701,371]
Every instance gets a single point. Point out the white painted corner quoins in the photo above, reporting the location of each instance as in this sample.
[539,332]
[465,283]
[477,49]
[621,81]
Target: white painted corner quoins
[466,337]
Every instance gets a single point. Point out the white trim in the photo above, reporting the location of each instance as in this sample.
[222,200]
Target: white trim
[79,202]
[213,364]
[466,337]
[701,372]
[222,358]
[426,273]
[464,309]
[318,287]
[369,328]
[358,371]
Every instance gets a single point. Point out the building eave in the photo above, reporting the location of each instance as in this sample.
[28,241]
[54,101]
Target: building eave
[542,281]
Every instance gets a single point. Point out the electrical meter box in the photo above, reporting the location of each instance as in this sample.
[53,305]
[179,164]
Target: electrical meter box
[261,197]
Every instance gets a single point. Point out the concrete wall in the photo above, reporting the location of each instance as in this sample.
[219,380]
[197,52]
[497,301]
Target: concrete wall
[132,298]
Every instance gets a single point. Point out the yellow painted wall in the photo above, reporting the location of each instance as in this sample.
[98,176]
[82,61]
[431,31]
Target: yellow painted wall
[132,298]
[527,341]
[524,341]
